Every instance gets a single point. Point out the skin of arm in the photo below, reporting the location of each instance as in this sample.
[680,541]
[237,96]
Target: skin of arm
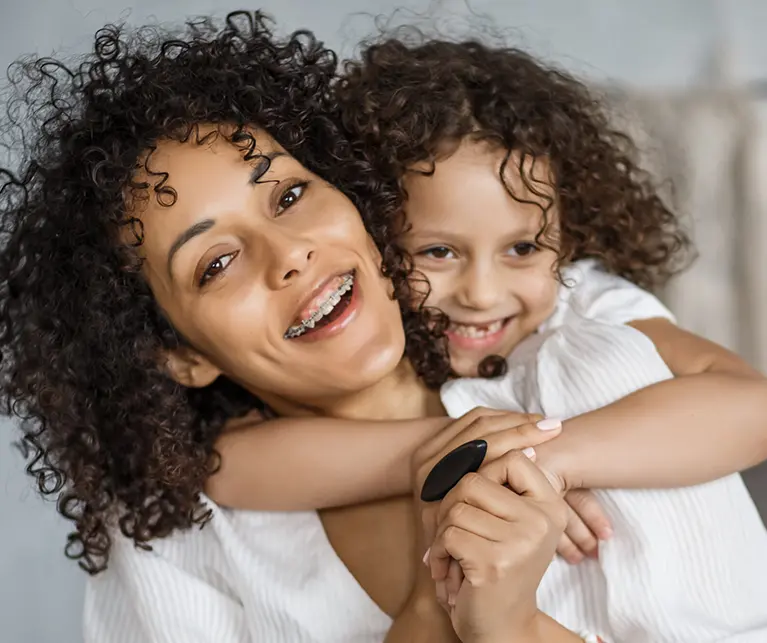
[422,620]
[426,622]
[544,629]
[294,464]
[707,422]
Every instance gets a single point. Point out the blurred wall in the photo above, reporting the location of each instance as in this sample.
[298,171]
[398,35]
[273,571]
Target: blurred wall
[684,69]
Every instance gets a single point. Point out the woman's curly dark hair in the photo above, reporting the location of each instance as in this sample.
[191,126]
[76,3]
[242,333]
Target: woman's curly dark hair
[411,100]
[80,333]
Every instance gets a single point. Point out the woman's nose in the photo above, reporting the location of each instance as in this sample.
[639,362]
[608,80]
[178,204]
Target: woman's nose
[291,255]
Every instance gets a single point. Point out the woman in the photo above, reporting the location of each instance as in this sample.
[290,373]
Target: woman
[165,238]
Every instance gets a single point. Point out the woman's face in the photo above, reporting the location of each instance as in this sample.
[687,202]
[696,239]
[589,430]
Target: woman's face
[267,272]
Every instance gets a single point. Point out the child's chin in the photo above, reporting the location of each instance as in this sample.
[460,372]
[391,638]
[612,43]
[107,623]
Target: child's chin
[465,366]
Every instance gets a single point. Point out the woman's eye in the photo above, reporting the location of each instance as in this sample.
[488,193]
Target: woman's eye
[215,267]
[522,249]
[290,197]
[437,252]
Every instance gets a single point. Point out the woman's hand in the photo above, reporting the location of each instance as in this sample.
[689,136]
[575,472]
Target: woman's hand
[504,540]
[503,431]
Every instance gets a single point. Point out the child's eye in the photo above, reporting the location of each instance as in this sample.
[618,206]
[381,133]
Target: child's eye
[215,268]
[437,252]
[290,197]
[523,249]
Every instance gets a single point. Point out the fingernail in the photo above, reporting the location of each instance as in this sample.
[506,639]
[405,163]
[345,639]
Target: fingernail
[549,424]
[426,557]
[529,452]
[450,599]
[606,533]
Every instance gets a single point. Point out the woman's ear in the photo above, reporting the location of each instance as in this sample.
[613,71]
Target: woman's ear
[189,368]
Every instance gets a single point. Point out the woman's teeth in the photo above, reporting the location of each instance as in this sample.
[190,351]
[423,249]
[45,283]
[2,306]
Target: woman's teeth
[325,307]
[476,332]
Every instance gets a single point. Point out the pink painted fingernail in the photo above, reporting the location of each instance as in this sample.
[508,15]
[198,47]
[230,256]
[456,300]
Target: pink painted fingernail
[529,452]
[549,424]
[426,557]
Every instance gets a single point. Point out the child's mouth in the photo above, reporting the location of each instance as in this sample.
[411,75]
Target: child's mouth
[474,336]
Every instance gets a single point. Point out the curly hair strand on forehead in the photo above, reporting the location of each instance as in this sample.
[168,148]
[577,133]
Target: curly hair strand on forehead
[81,337]
[414,100]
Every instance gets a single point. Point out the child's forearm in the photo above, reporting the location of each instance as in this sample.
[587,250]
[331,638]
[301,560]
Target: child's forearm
[678,432]
[323,462]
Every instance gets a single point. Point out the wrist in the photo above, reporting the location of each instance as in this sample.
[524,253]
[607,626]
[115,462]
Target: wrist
[555,460]
[526,631]
[540,628]
[422,601]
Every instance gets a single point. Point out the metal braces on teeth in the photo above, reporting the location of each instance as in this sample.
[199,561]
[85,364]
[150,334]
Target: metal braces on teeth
[330,304]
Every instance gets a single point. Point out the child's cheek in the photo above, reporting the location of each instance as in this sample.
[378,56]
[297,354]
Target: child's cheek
[543,297]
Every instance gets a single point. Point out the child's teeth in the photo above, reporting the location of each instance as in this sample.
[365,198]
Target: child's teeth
[470,330]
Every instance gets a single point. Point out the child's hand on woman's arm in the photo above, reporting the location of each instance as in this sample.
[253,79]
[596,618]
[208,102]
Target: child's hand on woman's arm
[504,431]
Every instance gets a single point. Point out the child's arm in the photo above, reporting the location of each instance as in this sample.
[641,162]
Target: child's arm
[707,422]
[292,464]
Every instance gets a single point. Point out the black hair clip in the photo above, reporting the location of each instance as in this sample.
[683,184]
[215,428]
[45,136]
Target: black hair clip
[448,472]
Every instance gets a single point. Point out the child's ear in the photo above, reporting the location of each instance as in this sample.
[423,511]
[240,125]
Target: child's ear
[189,368]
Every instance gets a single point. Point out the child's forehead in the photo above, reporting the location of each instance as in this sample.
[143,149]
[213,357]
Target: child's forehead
[480,190]
[523,173]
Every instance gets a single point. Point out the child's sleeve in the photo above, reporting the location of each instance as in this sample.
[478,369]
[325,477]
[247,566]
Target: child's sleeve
[608,298]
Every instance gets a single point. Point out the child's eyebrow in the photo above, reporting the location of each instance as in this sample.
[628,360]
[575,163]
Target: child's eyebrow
[526,229]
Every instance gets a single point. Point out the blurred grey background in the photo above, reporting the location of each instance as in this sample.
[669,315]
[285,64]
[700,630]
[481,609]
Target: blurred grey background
[689,77]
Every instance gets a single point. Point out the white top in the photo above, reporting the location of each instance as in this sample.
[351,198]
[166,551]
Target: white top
[255,577]
[685,565]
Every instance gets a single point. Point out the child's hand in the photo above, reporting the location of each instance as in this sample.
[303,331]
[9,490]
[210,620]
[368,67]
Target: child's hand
[586,526]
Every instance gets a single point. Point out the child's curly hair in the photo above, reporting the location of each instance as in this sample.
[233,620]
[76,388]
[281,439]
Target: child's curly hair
[80,333]
[410,101]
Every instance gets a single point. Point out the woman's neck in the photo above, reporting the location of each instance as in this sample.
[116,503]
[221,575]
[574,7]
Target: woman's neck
[401,395]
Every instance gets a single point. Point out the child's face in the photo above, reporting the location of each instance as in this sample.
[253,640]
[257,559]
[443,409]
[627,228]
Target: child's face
[476,245]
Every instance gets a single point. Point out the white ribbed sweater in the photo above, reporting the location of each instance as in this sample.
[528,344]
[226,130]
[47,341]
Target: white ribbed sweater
[688,566]
[685,565]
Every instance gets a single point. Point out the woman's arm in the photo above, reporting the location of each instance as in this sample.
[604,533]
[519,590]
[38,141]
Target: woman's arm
[707,422]
[422,620]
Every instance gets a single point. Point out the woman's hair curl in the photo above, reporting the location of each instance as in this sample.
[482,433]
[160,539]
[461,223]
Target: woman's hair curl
[81,337]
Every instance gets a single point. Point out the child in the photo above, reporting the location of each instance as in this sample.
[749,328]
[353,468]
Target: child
[535,231]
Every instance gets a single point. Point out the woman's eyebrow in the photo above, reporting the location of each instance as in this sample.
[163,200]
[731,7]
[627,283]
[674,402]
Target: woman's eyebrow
[187,235]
